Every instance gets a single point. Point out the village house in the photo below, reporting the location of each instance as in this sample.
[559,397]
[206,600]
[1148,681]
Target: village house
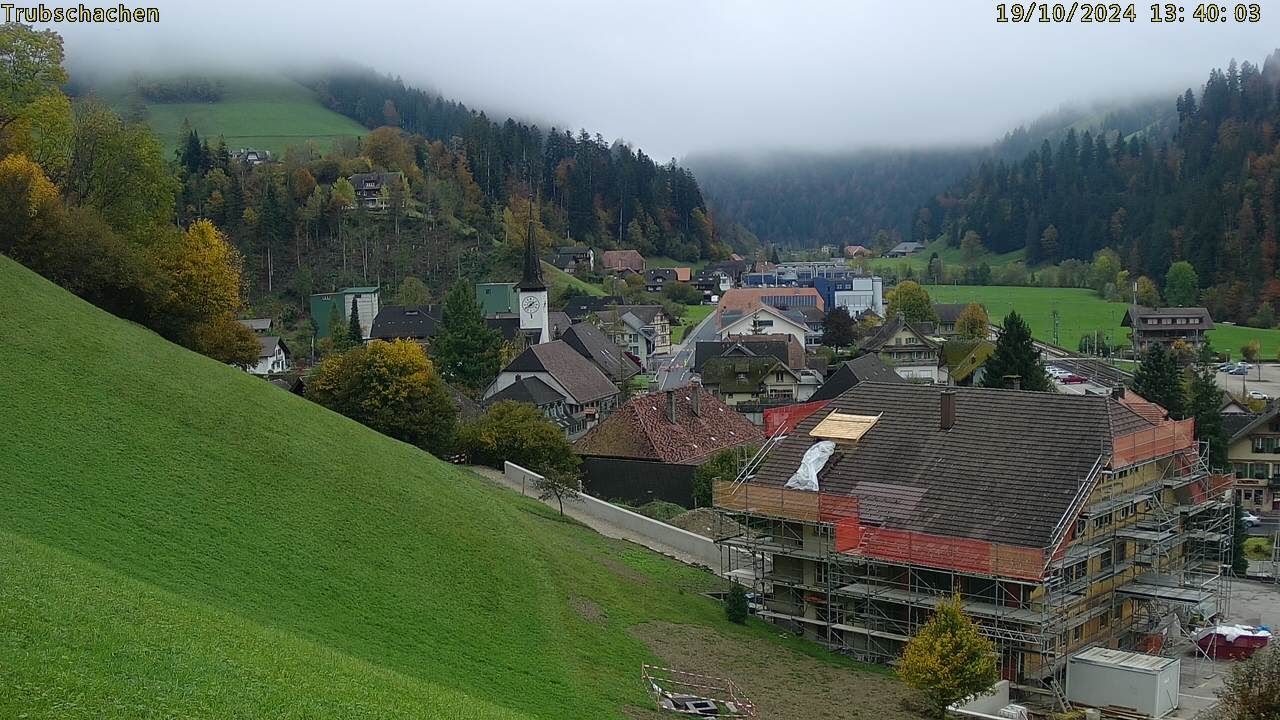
[274,357]
[712,284]
[588,394]
[1254,454]
[647,332]
[964,361]
[591,343]
[909,349]
[374,189]
[1061,522]
[782,346]
[650,447]
[574,259]
[760,380]
[1165,326]
[948,314]
[258,325]
[417,323]
[622,260]
[764,320]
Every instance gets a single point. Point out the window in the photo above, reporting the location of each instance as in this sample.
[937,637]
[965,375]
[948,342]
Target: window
[1077,632]
[1104,560]
[1081,526]
[1122,551]
[1259,471]
[1102,521]
[1241,469]
[1105,618]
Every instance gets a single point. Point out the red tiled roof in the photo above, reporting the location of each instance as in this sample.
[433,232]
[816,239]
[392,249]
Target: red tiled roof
[640,429]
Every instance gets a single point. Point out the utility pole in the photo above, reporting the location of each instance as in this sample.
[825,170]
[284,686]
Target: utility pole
[1055,326]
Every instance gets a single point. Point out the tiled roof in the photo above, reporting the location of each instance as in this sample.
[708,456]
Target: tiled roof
[1005,472]
[949,312]
[641,430]
[528,390]
[881,337]
[580,306]
[739,374]
[593,345]
[579,376]
[782,346]
[267,345]
[865,368]
[410,323]
[558,323]
[1142,317]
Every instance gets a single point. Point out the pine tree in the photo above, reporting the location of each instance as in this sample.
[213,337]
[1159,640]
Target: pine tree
[1015,355]
[466,350]
[736,605]
[354,333]
[1204,404]
[838,328]
[1159,380]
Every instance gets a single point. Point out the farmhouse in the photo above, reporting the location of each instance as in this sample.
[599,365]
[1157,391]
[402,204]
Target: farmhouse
[1165,326]
[903,249]
[640,329]
[649,448]
[622,260]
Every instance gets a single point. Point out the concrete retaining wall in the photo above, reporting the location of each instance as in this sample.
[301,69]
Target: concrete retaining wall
[702,550]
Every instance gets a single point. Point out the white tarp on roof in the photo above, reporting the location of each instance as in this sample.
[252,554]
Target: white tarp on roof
[806,477]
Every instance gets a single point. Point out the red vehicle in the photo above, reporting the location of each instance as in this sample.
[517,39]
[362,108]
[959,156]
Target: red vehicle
[1073,379]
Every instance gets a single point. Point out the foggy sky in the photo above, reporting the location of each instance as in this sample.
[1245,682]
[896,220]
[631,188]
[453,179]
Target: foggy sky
[681,76]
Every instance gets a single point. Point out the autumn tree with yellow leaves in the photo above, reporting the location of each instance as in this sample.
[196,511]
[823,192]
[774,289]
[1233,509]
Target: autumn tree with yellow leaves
[391,387]
[948,660]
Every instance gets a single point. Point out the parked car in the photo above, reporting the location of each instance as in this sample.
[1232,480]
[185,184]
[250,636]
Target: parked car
[1073,379]
[1226,367]
[1250,520]
[1258,395]
[1237,370]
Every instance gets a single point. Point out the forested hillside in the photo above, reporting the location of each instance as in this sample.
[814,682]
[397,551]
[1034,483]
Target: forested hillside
[875,197]
[593,191]
[1206,195]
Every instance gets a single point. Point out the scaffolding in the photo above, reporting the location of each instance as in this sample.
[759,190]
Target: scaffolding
[1139,555]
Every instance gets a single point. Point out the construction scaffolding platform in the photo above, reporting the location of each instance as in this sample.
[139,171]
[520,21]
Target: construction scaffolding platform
[1141,547]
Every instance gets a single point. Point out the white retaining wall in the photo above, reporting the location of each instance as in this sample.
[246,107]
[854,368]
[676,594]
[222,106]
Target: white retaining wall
[702,550]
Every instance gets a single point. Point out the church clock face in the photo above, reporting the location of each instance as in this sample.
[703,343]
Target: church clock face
[530,305]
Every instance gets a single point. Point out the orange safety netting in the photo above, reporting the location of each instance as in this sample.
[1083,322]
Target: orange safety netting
[888,544]
[784,419]
[1165,439]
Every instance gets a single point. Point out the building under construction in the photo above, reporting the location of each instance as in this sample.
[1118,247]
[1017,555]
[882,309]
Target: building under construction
[1061,521]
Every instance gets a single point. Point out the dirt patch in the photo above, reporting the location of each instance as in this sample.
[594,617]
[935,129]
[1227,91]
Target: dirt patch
[707,523]
[783,684]
[587,610]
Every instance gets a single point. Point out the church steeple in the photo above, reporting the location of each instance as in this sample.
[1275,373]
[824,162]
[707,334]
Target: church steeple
[532,278]
[535,320]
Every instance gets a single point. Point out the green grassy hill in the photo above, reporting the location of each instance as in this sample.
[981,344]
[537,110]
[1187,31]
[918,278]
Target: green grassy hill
[179,539]
[1081,312]
[264,113]
[951,257]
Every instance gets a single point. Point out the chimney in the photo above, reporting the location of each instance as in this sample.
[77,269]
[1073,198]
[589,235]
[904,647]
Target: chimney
[1117,392]
[947,409]
[1013,381]
[671,406]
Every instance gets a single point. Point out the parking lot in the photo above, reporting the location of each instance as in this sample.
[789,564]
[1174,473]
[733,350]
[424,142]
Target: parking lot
[1242,385]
